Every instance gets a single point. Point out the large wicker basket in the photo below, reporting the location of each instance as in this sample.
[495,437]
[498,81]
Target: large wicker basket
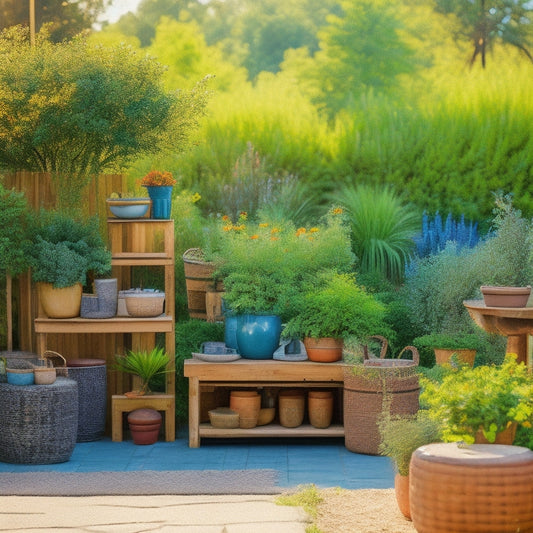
[199,280]
[366,389]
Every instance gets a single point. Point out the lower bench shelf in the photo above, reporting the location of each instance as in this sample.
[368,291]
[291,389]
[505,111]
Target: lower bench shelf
[272,430]
[250,373]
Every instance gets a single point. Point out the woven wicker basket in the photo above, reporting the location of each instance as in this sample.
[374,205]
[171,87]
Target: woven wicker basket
[61,368]
[224,418]
[145,304]
[367,387]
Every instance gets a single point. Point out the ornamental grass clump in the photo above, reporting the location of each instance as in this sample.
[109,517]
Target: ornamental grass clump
[265,265]
[489,398]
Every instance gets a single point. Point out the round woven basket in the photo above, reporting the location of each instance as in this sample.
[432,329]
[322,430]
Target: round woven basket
[372,387]
[482,488]
[145,304]
[198,280]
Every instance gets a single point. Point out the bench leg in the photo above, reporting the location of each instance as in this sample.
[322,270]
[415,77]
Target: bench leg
[194,412]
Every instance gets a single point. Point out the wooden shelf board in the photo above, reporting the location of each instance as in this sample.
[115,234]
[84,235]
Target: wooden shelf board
[158,324]
[272,430]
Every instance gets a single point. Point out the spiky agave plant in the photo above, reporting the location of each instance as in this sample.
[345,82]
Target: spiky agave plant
[145,365]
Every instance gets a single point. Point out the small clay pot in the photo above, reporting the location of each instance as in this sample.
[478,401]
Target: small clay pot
[144,425]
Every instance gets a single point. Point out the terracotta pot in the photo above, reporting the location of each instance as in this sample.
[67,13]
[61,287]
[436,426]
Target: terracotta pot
[247,404]
[472,489]
[320,408]
[60,303]
[506,436]
[401,489]
[443,356]
[324,350]
[144,426]
[505,296]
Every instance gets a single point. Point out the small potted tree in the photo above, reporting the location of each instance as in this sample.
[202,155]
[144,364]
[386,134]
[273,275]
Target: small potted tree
[62,252]
[146,366]
[445,345]
[334,308]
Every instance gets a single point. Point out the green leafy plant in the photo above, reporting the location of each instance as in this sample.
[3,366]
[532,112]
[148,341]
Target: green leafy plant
[402,435]
[75,109]
[449,341]
[487,398]
[63,250]
[265,265]
[335,306]
[145,365]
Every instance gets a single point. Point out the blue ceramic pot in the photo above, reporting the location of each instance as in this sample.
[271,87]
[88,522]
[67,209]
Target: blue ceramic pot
[258,335]
[230,332]
[161,201]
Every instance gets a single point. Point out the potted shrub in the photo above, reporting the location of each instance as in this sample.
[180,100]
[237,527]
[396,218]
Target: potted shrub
[478,404]
[444,345]
[145,365]
[62,252]
[331,309]
[400,437]
[266,265]
[159,186]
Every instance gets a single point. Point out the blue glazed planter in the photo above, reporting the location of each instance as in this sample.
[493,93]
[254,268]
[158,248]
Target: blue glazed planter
[258,335]
[161,201]
[230,332]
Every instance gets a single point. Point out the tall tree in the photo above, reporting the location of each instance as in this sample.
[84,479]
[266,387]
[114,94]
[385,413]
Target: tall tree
[362,48]
[66,17]
[485,22]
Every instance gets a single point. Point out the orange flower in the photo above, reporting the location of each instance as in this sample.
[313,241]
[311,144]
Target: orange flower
[156,178]
[254,237]
[274,230]
[274,238]
[300,231]
[225,218]
[337,211]
[229,227]
[263,225]
[314,230]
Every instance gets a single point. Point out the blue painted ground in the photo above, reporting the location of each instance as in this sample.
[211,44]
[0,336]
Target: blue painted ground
[324,462]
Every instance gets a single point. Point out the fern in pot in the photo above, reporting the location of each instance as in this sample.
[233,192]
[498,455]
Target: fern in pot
[332,309]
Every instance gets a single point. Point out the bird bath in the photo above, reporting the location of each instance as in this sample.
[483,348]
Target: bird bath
[516,323]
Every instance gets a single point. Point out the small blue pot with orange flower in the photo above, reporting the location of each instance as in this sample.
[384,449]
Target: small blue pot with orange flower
[159,186]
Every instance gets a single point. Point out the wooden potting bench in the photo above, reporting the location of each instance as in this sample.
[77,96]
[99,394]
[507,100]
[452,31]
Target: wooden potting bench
[245,373]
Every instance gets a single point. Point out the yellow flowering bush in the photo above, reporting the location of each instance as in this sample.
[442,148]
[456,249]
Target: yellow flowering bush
[264,264]
[487,397]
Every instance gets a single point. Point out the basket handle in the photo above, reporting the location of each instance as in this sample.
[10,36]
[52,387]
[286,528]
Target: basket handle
[384,346]
[51,354]
[414,352]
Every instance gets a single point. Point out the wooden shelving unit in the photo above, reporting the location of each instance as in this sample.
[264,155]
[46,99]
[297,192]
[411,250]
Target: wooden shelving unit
[133,243]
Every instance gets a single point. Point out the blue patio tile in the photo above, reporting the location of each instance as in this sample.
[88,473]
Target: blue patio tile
[323,462]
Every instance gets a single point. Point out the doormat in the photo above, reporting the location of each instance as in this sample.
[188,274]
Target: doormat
[143,482]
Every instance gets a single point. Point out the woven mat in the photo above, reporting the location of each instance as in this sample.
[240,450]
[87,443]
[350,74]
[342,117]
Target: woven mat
[145,482]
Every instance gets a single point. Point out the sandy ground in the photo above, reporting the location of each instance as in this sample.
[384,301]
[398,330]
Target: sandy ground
[361,511]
